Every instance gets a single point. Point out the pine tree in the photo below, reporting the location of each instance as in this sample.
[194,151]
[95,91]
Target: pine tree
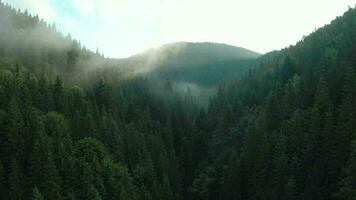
[290,189]
[93,194]
[43,170]
[16,181]
[347,189]
[316,145]
[36,194]
[346,124]
[279,171]
[2,181]
[165,191]
[15,143]
[58,95]
[255,160]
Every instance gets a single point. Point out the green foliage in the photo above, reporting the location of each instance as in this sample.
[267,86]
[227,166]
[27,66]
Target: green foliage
[70,130]
[36,194]
[284,130]
[347,189]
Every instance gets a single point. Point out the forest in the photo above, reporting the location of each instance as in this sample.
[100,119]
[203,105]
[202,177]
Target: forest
[76,125]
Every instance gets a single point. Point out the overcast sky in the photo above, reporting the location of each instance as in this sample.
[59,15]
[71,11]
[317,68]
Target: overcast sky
[120,28]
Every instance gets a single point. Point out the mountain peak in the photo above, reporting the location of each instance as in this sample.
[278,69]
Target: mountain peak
[194,50]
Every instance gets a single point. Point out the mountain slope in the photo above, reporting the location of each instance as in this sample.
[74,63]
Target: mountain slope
[203,63]
[283,131]
[199,67]
[286,130]
[185,55]
[30,42]
[106,139]
[189,54]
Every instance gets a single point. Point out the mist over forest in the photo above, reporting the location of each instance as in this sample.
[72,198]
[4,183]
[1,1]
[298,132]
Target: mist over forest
[186,120]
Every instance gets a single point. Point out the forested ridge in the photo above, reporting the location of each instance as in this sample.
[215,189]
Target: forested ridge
[74,125]
[200,66]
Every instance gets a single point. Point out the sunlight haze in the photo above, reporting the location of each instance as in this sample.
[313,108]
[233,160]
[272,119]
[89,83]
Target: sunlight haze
[125,27]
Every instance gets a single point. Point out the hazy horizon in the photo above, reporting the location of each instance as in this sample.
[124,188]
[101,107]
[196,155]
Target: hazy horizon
[123,28]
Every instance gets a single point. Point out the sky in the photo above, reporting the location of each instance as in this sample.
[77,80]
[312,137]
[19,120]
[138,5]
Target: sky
[120,28]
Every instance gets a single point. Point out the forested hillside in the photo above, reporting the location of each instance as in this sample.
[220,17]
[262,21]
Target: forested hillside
[76,125]
[287,129]
[112,138]
[198,67]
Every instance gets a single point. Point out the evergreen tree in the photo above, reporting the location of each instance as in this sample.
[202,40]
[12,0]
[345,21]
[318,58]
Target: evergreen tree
[16,181]
[36,194]
[43,170]
[347,189]
[290,189]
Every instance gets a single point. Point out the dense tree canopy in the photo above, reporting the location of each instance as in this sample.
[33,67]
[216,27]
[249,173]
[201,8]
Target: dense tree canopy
[75,126]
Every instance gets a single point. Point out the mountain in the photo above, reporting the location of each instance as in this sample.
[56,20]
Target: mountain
[73,128]
[199,67]
[30,42]
[76,125]
[191,54]
[171,60]
[286,130]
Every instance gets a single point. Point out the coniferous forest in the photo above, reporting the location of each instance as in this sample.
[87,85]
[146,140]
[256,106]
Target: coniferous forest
[77,125]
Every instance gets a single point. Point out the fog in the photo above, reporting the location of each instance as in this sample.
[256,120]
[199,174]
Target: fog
[147,61]
[200,93]
[32,43]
